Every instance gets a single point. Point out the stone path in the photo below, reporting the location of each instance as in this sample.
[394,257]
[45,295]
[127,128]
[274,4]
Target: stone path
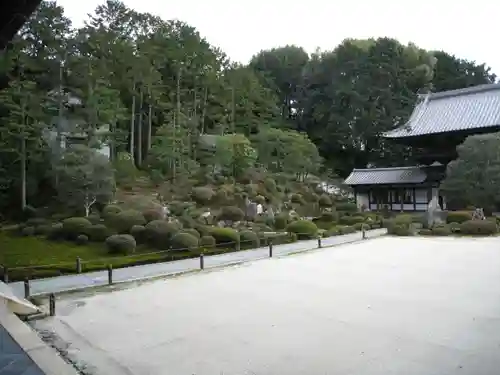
[100,278]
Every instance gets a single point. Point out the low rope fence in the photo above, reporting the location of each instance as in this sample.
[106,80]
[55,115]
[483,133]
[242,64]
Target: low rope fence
[78,266]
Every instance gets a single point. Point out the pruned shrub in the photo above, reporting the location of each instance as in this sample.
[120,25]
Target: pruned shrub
[478,227]
[43,229]
[110,210]
[152,214]
[351,220]
[56,232]
[346,207]
[74,226]
[425,232]
[192,232]
[249,239]
[202,195]
[403,219]
[325,201]
[259,199]
[304,229]
[207,242]
[331,217]
[400,230]
[98,232]
[36,221]
[121,244]
[277,238]
[331,232]
[297,199]
[458,216]
[138,232]
[231,213]
[270,184]
[184,241]
[226,237]
[158,233]
[281,221]
[123,221]
[443,230]
[455,227]
[94,218]
[82,239]
[346,229]
[28,231]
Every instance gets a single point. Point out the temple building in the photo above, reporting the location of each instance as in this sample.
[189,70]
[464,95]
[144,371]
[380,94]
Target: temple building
[438,124]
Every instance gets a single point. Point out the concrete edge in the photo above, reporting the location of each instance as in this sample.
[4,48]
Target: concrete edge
[45,357]
[123,283]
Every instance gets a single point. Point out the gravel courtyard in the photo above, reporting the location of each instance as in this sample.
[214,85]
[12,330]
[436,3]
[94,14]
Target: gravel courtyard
[385,306]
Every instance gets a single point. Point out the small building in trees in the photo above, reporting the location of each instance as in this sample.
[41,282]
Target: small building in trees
[438,124]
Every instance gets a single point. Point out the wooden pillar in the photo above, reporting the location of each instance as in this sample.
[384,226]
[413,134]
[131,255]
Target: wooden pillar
[401,197]
[414,199]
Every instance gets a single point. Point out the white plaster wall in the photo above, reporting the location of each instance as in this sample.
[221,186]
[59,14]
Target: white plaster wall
[421,195]
[362,199]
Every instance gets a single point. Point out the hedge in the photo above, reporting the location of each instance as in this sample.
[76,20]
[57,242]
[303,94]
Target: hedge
[281,221]
[207,242]
[351,220]
[347,207]
[478,227]
[458,216]
[192,232]
[304,229]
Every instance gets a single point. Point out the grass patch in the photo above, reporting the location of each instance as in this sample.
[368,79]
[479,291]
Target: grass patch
[36,257]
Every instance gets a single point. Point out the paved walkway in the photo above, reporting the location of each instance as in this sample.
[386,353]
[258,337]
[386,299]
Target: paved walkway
[100,278]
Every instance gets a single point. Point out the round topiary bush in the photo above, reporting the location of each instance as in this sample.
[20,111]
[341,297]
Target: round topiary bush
[329,217]
[207,242]
[425,232]
[231,213]
[458,216]
[28,231]
[270,185]
[110,210]
[152,214]
[259,199]
[158,233]
[202,195]
[226,237]
[297,199]
[441,231]
[192,232]
[121,244]
[98,232]
[123,221]
[82,239]
[74,226]
[304,229]
[351,220]
[249,239]
[478,227]
[184,241]
[138,232]
[36,221]
[325,201]
[280,221]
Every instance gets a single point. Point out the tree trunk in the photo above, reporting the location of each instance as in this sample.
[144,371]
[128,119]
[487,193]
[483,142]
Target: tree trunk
[204,112]
[150,122]
[132,127]
[23,171]
[139,131]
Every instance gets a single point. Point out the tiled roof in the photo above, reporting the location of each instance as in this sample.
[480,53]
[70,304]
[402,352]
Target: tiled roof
[379,176]
[464,109]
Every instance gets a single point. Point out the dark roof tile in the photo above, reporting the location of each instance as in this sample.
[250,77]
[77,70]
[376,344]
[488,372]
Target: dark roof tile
[470,108]
[378,176]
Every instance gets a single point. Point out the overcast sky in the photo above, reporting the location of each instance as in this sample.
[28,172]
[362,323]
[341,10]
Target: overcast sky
[466,29]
